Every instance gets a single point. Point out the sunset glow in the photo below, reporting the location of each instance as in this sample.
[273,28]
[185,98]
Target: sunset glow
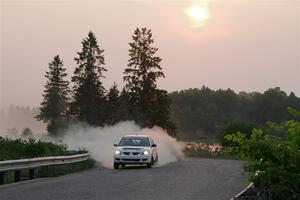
[198,15]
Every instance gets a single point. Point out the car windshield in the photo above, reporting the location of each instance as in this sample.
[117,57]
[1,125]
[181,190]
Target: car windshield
[134,141]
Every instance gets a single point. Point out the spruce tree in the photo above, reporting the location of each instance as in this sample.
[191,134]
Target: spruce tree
[149,105]
[54,106]
[88,91]
[113,105]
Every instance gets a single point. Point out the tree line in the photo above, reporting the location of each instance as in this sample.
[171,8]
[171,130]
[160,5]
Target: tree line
[203,113]
[88,101]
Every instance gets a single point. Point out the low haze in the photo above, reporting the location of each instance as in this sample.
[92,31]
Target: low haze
[245,46]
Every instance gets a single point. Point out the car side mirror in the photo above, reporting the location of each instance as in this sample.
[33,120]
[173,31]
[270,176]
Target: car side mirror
[115,145]
[153,145]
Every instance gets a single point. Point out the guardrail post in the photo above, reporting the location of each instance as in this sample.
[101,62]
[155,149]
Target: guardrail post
[2,178]
[17,175]
[32,163]
[31,173]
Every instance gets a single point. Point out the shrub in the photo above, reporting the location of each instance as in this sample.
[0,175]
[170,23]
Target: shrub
[274,157]
[234,127]
[18,148]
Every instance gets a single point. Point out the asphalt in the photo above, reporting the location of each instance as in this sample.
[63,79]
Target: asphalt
[189,179]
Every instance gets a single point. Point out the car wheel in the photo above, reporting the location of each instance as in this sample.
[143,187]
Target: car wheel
[116,166]
[149,165]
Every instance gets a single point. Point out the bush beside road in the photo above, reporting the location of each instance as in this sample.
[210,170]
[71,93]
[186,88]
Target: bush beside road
[12,149]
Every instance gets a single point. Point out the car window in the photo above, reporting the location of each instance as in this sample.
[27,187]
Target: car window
[134,141]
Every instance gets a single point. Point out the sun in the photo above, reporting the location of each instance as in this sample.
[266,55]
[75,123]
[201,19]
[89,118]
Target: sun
[198,14]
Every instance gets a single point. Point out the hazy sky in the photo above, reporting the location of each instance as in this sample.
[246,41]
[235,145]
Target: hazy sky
[244,45]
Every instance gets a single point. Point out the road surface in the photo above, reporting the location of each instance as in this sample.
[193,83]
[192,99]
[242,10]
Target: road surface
[203,179]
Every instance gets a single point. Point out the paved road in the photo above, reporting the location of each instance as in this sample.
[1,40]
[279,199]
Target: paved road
[203,179]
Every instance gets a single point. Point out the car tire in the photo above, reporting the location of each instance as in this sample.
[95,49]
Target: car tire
[116,165]
[149,165]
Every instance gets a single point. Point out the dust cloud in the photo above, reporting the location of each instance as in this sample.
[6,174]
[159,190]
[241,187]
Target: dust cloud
[99,141]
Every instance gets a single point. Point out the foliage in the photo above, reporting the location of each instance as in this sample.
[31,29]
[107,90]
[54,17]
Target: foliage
[148,105]
[275,157]
[201,113]
[54,106]
[18,148]
[113,106]
[234,127]
[88,91]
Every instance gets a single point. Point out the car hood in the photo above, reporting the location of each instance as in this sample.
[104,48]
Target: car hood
[132,148]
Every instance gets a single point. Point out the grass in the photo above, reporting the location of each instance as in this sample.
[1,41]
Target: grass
[51,171]
[11,149]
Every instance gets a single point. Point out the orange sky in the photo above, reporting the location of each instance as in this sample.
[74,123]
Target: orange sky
[246,46]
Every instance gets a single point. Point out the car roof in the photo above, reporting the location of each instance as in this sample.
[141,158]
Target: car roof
[137,136]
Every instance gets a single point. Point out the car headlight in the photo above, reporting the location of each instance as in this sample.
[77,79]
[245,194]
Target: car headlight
[117,152]
[146,152]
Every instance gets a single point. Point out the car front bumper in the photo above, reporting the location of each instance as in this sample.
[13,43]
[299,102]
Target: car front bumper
[132,159]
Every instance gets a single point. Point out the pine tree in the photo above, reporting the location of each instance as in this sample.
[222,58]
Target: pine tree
[88,91]
[124,108]
[149,105]
[113,105]
[54,106]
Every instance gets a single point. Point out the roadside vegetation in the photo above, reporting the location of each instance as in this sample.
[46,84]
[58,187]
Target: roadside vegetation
[11,149]
[271,152]
[273,156]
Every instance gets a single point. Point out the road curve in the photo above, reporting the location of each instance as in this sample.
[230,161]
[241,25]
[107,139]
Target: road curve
[203,179]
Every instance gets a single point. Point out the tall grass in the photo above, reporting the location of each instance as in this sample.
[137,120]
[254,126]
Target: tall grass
[19,148]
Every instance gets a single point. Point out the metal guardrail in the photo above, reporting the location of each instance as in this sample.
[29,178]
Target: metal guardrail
[252,193]
[251,185]
[17,165]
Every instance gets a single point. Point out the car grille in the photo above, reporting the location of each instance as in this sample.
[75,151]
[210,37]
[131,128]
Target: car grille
[133,153]
[134,149]
[136,160]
